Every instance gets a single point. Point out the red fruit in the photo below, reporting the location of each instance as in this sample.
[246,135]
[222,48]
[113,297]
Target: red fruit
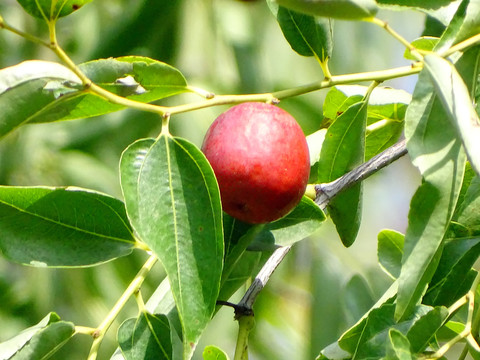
[260,157]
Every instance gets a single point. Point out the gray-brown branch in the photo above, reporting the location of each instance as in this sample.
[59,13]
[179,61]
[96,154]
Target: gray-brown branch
[324,194]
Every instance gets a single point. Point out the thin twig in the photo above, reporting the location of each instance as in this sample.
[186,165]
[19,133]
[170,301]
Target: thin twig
[326,192]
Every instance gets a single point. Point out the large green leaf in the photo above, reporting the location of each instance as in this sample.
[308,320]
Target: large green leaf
[341,9]
[59,227]
[146,337]
[173,201]
[438,154]
[51,9]
[307,35]
[38,342]
[134,77]
[436,149]
[343,149]
[40,91]
[456,99]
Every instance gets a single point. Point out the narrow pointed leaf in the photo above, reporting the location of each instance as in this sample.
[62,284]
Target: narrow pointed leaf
[44,9]
[346,9]
[456,99]
[59,227]
[343,150]
[173,202]
[39,341]
[436,151]
[146,337]
[307,35]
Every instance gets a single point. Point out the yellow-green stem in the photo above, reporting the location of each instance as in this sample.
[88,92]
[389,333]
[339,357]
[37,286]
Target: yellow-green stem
[398,37]
[133,288]
[246,323]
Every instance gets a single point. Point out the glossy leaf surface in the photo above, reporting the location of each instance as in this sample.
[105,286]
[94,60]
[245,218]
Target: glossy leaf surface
[60,227]
[41,91]
[173,202]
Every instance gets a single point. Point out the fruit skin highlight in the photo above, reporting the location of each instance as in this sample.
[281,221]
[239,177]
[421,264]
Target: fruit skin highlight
[261,160]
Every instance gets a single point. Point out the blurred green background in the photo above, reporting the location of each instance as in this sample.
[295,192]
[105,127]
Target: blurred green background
[227,47]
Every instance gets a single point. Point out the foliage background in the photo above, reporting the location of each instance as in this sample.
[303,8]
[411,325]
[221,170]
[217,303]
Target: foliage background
[224,46]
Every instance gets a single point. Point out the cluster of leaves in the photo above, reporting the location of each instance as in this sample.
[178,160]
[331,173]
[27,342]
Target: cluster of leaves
[171,203]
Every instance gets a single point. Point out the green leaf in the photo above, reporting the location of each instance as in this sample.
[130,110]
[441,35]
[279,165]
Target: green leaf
[60,227]
[212,352]
[390,252]
[455,97]
[306,34]
[300,223]
[425,43]
[398,347]
[51,9]
[345,9]
[436,151]
[173,202]
[423,4]
[40,341]
[385,113]
[465,23]
[423,331]
[343,150]
[367,338]
[134,77]
[315,143]
[146,337]
[453,278]
[25,90]
[466,214]
[357,297]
